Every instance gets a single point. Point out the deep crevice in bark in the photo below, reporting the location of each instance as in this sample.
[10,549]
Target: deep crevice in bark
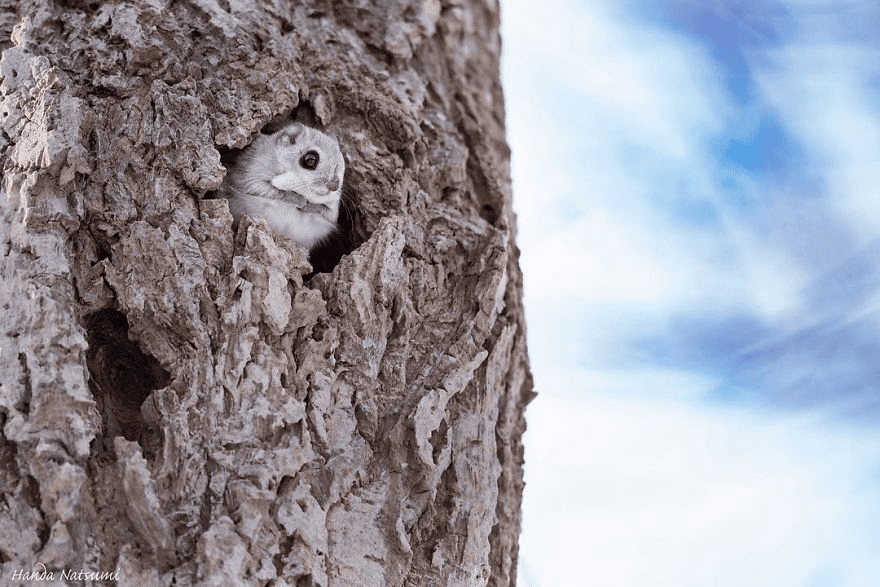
[121,377]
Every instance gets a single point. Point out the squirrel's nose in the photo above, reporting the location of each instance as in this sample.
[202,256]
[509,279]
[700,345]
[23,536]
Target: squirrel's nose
[333,184]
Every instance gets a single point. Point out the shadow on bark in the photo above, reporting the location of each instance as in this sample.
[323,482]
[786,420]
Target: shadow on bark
[121,377]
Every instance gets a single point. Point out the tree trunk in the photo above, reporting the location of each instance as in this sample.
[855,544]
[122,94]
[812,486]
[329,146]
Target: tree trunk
[183,399]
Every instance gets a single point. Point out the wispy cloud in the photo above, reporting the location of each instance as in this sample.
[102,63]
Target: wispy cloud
[822,92]
[619,148]
[698,208]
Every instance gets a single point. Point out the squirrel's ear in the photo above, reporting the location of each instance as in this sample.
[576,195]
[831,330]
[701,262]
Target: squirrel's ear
[288,134]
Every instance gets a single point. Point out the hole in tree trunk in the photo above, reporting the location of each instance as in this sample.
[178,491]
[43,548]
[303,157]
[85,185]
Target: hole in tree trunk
[121,377]
[350,232]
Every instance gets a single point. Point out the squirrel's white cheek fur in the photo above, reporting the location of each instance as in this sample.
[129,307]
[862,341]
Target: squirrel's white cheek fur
[287,182]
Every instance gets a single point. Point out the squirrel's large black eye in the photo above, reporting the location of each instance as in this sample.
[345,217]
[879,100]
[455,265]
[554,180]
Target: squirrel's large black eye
[309,160]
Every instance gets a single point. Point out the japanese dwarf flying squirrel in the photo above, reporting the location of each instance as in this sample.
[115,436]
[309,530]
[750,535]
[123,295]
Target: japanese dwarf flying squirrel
[293,179]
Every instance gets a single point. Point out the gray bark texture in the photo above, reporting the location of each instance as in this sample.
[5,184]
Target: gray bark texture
[190,400]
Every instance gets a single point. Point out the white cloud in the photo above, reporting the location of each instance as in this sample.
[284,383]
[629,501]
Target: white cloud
[605,257]
[592,182]
[641,383]
[822,92]
[596,259]
[657,87]
[671,494]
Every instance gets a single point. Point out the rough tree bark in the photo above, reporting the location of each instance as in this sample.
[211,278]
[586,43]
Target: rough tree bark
[183,398]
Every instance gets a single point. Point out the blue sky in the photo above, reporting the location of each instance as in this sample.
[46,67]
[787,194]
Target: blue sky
[698,206]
